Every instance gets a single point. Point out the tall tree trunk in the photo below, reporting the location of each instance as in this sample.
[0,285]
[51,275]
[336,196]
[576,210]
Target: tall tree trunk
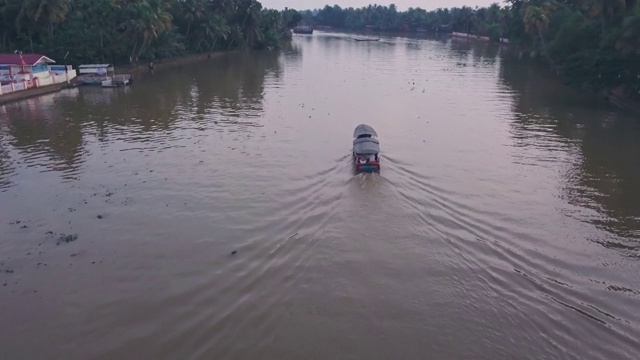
[543,44]
[30,42]
[133,51]
[186,37]
[145,43]
[101,46]
[215,40]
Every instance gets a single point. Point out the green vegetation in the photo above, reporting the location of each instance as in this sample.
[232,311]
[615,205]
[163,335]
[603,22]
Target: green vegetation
[592,44]
[122,31]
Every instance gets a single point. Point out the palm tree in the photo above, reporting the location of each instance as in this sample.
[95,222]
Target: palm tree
[51,11]
[505,17]
[224,8]
[629,42]
[156,21]
[250,14]
[536,22]
[8,11]
[25,19]
[218,28]
[192,10]
[607,11]
[212,29]
[147,19]
[493,13]
[93,12]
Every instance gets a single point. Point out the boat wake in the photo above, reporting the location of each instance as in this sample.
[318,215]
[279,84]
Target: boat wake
[502,257]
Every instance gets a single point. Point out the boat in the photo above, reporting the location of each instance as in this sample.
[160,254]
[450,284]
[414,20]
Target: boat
[103,75]
[94,74]
[117,81]
[366,149]
[303,30]
[366,39]
[108,83]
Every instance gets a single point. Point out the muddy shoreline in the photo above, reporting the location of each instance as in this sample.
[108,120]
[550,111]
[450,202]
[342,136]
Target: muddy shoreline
[618,98]
[140,68]
[29,93]
[133,69]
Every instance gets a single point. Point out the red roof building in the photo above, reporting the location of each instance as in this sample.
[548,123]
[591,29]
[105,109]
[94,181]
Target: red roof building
[25,71]
[24,59]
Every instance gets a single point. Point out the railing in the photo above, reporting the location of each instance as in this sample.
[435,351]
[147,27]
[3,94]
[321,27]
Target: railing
[58,78]
[20,86]
[5,89]
[16,86]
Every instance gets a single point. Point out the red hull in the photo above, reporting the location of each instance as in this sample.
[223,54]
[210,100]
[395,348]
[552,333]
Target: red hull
[368,167]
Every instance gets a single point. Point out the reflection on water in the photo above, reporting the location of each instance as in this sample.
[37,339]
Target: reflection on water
[56,125]
[217,214]
[594,140]
[36,131]
[7,167]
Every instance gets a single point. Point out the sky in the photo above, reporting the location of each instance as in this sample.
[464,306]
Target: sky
[400,4]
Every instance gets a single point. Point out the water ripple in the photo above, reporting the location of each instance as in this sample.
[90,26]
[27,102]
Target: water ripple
[221,217]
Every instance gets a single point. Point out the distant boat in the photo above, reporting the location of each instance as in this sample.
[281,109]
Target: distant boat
[366,39]
[303,30]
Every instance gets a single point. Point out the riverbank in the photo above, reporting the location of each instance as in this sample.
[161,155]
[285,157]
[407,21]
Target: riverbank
[161,64]
[618,98]
[133,69]
[29,93]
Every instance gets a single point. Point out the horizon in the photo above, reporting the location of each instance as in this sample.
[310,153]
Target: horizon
[402,5]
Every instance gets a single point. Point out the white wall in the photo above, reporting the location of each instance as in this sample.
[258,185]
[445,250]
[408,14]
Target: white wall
[44,79]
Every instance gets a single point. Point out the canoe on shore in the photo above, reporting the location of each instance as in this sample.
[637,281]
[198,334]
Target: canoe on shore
[366,39]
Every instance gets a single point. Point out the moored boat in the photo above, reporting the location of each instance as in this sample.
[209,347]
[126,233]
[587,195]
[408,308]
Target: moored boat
[366,149]
[117,81]
[103,75]
[303,29]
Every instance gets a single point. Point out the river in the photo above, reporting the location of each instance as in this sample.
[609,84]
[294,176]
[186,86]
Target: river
[211,211]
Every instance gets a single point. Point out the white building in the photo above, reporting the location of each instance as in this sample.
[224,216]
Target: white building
[25,71]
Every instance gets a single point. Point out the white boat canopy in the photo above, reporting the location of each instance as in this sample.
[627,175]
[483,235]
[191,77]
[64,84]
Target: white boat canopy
[366,146]
[365,140]
[95,68]
[364,129]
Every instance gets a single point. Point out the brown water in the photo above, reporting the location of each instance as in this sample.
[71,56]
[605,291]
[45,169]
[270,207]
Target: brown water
[505,223]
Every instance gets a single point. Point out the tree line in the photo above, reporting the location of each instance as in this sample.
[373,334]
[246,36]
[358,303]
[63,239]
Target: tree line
[123,31]
[592,44]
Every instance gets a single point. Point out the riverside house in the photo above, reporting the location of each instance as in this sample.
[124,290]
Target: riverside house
[25,71]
